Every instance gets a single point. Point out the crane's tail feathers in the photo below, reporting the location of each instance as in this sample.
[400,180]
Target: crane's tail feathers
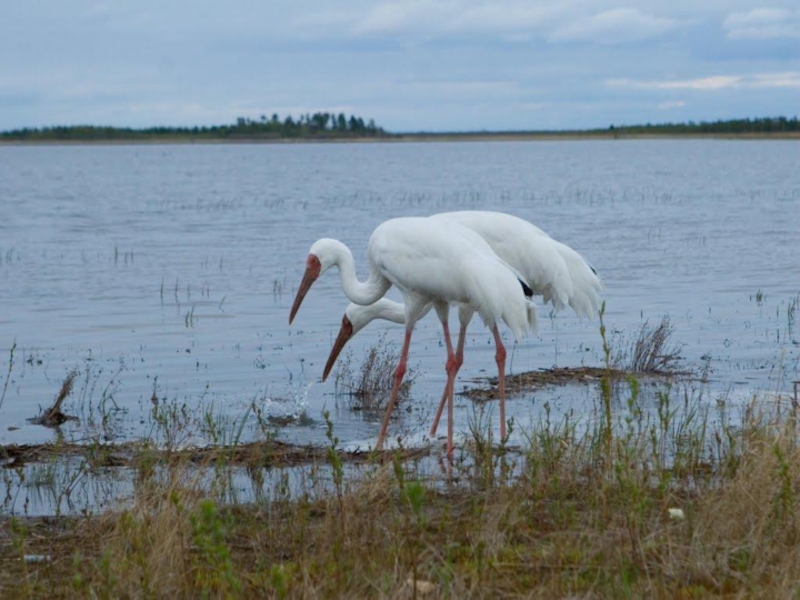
[575,282]
[531,309]
[586,303]
[552,296]
[586,290]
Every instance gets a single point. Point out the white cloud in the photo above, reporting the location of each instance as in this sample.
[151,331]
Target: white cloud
[430,17]
[394,17]
[461,90]
[192,110]
[789,79]
[762,24]
[615,26]
[715,82]
[670,104]
[512,17]
[97,89]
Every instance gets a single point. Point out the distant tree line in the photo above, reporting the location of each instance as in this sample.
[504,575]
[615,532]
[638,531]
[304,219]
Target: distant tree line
[732,126]
[326,125]
[318,125]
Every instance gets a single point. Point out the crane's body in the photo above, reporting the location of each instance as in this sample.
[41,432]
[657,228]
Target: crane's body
[431,262]
[553,269]
[445,261]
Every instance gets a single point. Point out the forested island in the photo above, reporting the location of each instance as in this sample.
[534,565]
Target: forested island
[326,126]
[320,125]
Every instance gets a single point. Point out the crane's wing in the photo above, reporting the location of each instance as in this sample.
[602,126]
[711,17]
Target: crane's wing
[551,268]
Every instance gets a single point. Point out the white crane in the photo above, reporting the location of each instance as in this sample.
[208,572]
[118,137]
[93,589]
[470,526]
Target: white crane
[552,269]
[431,262]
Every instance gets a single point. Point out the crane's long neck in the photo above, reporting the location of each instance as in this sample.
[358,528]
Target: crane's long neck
[387,310]
[359,292]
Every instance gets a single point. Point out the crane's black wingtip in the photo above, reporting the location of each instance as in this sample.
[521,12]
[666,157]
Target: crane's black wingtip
[526,289]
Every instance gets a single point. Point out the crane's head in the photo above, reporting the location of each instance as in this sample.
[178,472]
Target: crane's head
[346,331]
[323,255]
[355,318]
[313,270]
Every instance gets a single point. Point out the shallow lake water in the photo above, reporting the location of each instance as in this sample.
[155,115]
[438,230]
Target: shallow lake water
[169,271]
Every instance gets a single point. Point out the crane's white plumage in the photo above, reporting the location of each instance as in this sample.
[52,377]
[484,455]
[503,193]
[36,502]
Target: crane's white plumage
[384,309]
[435,262]
[429,260]
[551,268]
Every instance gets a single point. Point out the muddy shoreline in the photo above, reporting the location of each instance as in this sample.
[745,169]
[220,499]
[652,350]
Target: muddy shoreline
[274,453]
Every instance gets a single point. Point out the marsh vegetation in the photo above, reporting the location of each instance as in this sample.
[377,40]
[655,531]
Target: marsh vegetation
[366,384]
[208,458]
[623,500]
[576,510]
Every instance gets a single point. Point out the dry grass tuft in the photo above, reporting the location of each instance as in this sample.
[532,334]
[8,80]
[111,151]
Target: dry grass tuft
[652,350]
[369,385]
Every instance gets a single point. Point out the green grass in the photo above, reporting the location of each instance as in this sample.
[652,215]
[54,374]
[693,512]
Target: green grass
[643,495]
[569,513]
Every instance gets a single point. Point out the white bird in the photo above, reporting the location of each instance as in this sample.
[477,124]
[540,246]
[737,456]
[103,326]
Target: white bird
[434,262]
[552,269]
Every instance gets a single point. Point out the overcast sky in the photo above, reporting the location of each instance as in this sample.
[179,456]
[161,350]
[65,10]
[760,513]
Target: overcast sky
[436,65]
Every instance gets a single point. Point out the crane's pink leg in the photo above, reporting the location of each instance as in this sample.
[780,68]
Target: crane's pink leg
[500,357]
[462,334]
[398,378]
[439,411]
[452,368]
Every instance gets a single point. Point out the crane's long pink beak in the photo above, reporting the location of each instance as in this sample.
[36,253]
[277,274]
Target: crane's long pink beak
[345,333]
[313,269]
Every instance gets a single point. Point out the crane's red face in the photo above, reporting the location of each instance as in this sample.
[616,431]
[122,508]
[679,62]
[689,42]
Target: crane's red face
[345,333]
[313,268]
